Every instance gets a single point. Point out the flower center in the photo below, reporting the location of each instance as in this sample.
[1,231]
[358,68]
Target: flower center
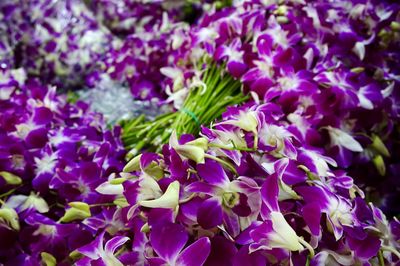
[230,199]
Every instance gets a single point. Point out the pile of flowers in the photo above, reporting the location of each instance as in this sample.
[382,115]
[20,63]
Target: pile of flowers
[53,155]
[60,42]
[281,148]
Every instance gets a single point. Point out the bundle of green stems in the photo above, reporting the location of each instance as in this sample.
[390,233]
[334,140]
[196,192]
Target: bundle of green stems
[202,106]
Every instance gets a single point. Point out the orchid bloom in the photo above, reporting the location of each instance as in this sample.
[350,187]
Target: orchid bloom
[95,251]
[169,239]
[228,200]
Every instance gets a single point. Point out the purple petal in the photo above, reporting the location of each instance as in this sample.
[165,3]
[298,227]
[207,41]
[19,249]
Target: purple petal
[42,116]
[289,150]
[244,258]
[83,262]
[130,258]
[178,167]
[160,215]
[280,167]
[270,192]
[307,87]
[148,158]
[314,195]
[221,245]
[168,240]
[242,209]
[201,187]
[92,249]
[188,210]
[236,69]
[195,254]
[244,238]
[293,175]
[312,216]
[209,213]
[362,211]
[155,262]
[213,173]
[365,248]
[37,138]
[231,221]
[342,156]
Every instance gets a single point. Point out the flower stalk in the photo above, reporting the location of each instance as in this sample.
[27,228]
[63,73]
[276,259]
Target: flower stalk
[202,105]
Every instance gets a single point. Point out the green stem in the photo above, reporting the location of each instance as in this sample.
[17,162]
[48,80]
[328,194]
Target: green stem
[381,259]
[229,148]
[9,192]
[201,107]
[308,246]
[101,205]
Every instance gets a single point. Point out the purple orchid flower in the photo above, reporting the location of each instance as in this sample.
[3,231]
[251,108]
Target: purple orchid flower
[103,255]
[169,239]
[228,201]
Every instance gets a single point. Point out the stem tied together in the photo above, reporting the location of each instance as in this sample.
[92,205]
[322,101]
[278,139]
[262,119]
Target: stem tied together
[201,107]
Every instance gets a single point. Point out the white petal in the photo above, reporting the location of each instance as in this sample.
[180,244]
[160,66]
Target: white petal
[284,236]
[341,138]
[359,50]
[110,189]
[170,199]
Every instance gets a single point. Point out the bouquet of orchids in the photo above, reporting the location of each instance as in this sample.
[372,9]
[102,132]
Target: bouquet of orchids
[281,149]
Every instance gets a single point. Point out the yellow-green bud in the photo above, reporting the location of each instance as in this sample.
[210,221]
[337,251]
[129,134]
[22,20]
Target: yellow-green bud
[10,178]
[48,259]
[78,211]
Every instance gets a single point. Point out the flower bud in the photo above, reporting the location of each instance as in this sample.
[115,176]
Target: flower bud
[10,178]
[78,211]
[10,217]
